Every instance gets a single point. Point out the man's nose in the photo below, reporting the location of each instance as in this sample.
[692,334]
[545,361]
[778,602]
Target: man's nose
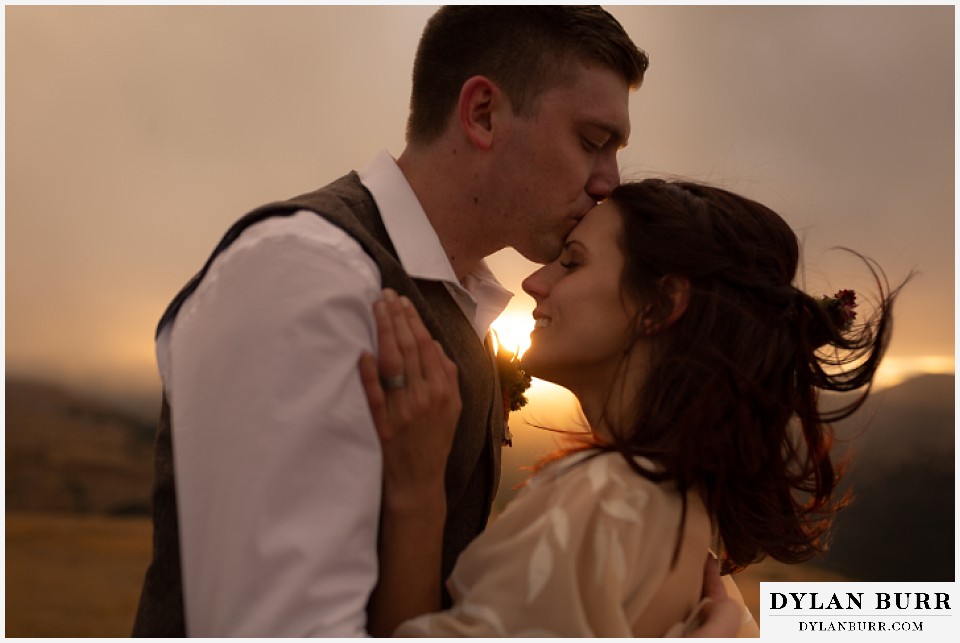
[605,177]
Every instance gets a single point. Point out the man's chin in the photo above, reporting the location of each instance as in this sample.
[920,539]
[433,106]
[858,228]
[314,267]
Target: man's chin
[542,254]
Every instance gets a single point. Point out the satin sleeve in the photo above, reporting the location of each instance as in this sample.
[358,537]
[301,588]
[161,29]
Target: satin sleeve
[581,551]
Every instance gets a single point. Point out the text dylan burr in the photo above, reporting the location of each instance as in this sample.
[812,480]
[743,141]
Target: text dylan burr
[855,601]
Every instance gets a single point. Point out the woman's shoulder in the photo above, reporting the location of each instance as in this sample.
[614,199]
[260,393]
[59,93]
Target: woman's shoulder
[604,476]
[600,467]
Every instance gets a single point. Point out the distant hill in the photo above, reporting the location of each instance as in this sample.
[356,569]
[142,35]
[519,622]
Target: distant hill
[900,525]
[65,452]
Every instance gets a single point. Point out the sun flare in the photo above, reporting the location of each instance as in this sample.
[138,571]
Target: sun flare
[513,331]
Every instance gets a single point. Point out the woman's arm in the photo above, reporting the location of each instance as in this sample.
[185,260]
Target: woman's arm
[414,399]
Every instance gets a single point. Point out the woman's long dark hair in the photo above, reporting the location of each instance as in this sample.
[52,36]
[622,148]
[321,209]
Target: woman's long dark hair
[730,404]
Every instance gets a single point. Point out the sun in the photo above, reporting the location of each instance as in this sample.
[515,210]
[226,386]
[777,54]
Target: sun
[513,330]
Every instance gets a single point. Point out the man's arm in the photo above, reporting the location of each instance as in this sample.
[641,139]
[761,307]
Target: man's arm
[277,461]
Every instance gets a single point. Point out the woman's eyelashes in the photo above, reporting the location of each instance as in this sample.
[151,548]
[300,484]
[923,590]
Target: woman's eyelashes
[572,256]
[570,262]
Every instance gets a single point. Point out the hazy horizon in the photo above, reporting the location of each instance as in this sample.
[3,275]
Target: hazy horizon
[136,135]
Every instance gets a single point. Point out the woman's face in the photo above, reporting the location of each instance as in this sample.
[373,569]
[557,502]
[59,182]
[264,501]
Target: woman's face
[584,323]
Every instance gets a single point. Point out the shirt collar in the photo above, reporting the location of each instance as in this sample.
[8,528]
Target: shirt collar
[415,240]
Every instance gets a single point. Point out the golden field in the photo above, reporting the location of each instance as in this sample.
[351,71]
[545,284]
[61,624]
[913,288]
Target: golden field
[73,575]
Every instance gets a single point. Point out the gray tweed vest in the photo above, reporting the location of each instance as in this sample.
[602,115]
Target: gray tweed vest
[473,469]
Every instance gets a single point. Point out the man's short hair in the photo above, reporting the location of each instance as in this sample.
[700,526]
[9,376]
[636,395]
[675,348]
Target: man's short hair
[525,50]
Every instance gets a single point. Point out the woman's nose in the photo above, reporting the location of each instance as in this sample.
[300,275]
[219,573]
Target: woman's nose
[535,285]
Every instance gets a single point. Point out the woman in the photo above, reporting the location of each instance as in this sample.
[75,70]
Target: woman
[672,316]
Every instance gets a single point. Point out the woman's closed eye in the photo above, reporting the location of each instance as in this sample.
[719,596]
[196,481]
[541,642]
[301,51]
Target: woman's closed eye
[570,260]
[572,256]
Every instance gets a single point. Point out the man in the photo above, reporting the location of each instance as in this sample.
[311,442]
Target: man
[268,465]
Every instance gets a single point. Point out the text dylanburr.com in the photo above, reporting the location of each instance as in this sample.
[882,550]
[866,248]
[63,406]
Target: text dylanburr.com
[845,611]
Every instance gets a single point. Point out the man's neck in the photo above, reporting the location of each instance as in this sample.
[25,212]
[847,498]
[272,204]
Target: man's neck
[437,179]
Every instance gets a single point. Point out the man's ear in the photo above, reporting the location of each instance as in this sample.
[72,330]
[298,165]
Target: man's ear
[479,99]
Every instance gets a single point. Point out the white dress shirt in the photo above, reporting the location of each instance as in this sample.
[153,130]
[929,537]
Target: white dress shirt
[278,466]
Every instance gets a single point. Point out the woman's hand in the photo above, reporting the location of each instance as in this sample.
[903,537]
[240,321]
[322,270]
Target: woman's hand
[722,613]
[414,398]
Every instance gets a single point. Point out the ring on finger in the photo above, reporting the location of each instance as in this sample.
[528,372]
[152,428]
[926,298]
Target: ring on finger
[394,382]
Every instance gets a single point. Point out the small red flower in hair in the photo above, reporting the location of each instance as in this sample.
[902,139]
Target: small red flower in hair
[840,308]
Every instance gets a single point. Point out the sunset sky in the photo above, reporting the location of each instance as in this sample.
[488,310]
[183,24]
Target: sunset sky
[136,135]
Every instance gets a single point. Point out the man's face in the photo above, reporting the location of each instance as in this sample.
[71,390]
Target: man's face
[558,163]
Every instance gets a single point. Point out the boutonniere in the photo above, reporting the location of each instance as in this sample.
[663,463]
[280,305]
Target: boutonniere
[514,381]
